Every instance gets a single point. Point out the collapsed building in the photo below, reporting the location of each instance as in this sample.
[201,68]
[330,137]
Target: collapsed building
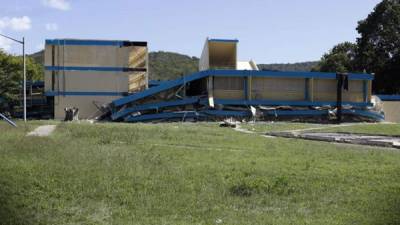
[109,80]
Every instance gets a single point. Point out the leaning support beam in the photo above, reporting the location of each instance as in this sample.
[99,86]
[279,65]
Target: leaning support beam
[158,105]
[8,120]
[160,116]
[162,87]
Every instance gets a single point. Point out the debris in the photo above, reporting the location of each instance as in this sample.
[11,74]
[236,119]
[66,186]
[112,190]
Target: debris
[71,114]
[350,138]
[229,123]
[42,131]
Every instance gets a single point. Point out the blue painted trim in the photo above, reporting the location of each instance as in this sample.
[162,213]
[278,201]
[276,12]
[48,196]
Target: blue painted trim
[157,105]
[223,40]
[160,116]
[284,103]
[389,97]
[85,68]
[82,93]
[118,43]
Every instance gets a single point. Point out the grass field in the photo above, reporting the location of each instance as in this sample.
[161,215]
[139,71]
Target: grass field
[184,173]
[364,128]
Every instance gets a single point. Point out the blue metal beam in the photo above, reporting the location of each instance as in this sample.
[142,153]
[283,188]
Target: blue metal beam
[389,97]
[162,87]
[8,120]
[295,112]
[84,93]
[226,113]
[95,42]
[93,68]
[157,105]
[161,116]
[223,40]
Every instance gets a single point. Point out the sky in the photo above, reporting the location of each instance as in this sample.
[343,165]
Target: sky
[269,31]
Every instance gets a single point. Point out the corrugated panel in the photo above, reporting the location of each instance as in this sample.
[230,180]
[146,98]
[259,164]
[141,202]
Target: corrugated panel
[229,94]
[392,109]
[229,83]
[325,90]
[278,88]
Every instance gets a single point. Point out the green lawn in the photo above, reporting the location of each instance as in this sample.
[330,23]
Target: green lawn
[190,174]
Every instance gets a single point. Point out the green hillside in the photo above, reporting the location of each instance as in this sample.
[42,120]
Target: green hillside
[299,67]
[170,65]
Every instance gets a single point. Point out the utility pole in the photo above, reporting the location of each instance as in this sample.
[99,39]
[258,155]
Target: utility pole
[24,59]
[24,69]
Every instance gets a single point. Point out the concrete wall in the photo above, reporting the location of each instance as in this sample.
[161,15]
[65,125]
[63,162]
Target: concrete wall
[392,111]
[85,104]
[325,90]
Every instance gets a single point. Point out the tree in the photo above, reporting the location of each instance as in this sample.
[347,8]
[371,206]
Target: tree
[379,46]
[340,58]
[11,78]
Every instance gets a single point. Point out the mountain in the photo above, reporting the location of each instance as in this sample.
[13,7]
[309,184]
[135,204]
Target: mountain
[38,57]
[298,67]
[171,65]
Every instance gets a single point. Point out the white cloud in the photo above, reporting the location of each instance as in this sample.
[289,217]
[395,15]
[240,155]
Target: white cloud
[51,26]
[57,4]
[16,23]
[5,44]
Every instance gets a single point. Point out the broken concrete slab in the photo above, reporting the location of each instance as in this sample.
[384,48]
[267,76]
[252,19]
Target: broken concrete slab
[360,139]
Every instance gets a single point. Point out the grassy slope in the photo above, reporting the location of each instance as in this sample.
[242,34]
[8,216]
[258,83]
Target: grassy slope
[191,174]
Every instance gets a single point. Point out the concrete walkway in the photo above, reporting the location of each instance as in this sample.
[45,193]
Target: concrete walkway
[42,131]
[334,137]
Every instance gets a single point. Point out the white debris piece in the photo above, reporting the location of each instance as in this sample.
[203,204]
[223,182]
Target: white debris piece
[42,131]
